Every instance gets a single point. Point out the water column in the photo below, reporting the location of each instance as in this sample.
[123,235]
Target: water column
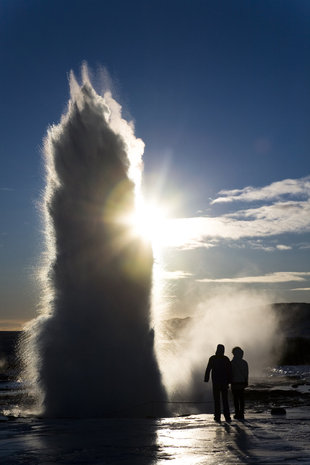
[90,351]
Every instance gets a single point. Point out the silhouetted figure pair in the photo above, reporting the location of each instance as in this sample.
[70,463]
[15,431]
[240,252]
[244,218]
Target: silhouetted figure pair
[225,372]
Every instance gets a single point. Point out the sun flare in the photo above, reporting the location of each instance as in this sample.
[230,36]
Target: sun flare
[148,221]
[151,222]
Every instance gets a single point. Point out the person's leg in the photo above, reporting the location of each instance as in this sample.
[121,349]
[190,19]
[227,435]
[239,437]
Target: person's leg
[217,404]
[226,411]
[236,403]
[241,403]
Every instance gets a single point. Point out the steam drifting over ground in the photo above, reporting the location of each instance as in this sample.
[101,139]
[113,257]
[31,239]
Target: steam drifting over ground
[233,318]
[91,350]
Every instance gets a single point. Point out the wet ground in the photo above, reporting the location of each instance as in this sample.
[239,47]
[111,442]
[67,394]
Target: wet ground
[182,440]
[192,440]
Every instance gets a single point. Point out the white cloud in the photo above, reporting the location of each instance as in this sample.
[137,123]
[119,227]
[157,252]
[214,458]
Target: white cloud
[282,216]
[300,289]
[174,275]
[277,277]
[283,247]
[276,190]
[259,244]
[265,221]
[304,246]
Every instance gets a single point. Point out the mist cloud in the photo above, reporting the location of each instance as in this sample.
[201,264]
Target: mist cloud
[243,318]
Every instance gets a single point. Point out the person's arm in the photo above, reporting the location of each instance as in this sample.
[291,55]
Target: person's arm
[247,373]
[228,369]
[208,369]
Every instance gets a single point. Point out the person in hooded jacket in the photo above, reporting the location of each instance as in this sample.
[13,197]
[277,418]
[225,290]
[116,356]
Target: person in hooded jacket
[240,376]
[220,367]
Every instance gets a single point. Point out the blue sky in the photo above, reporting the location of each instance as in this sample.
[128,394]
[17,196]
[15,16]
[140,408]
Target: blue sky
[219,92]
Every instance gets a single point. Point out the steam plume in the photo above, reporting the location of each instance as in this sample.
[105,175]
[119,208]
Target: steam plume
[234,317]
[91,350]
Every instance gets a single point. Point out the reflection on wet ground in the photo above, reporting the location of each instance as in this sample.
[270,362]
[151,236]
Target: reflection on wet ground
[259,440]
[193,440]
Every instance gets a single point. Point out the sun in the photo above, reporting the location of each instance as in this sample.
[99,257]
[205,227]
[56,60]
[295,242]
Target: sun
[151,221]
[148,221]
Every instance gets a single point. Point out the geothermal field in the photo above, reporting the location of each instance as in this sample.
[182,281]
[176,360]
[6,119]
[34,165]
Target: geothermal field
[97,377]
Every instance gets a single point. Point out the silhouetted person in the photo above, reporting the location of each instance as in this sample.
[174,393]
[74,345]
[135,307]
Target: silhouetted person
[240,377]
[220,366]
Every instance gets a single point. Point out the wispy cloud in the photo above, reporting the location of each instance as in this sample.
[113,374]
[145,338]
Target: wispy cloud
[174,275]
[271,219]
[283,247]
[6,189]
[277,277]
[280,218]
[260,244]
[300,289]
[276,190]
[304,245]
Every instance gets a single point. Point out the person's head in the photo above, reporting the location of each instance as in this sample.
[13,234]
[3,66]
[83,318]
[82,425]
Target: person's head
[220,349]
[237,352]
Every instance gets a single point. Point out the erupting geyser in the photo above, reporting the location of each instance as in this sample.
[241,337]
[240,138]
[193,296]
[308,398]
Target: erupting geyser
[90,352]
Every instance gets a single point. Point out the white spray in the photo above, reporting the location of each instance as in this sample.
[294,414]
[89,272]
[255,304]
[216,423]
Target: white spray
[90,352]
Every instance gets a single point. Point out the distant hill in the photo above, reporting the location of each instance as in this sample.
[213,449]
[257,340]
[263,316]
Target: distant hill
[294,318]
[8,349]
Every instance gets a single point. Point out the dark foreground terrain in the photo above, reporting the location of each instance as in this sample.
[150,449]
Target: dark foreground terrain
[287,384]
[189,437]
